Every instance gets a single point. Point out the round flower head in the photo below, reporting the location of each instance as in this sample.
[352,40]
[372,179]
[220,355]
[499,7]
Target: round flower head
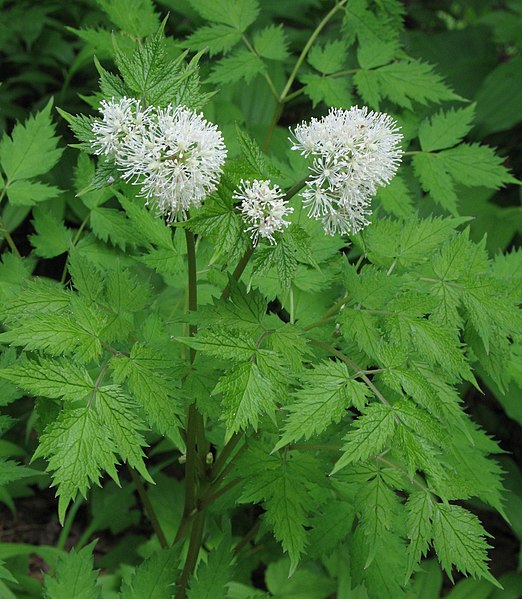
[177,159]
[263,208]
[354,152]
[119,119]
[173,153]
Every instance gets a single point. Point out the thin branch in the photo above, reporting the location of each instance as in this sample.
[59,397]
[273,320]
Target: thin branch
[149,510]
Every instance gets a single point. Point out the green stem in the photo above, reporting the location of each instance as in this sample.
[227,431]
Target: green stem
[307,48]
[295,189]
[149,510]
[193,416]
[236,275]
[64,533]
[224,454]
[196,537]
[267,77]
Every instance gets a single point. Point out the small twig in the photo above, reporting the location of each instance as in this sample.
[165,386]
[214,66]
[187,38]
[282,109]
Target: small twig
[149,510]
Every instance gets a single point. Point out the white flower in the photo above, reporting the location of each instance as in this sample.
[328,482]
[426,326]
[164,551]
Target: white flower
[355,152]
[119,119]
[172,153]
[263,207]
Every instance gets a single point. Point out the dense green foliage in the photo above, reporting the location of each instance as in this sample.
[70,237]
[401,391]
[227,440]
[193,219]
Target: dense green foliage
[323,417]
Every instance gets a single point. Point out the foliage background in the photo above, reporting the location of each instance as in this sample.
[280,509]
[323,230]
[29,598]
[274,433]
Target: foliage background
[47,51]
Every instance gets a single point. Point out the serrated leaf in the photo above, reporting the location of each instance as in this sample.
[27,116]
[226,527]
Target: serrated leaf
[58,334]
[396,198]
[331,91]
[212,578]
[119,415]
[216,38]
[446,128]
[155,577]
[247,395]
[420,510]
[228,344]
[52,236]
[474,165]
[35,296]
[151,74]
[29,193]
[377,37]
[136,17]
[328,59]
[74,576]
[236,13]
[403,82]
[111,225]
[241,64]
[31,150]
[251,152]
[459,539]
[329,391]
[271,43]
[369,435]
[282,485]
[152,228]
[50,378]
[77,449]
[11,471]
[435,180]
[147,376]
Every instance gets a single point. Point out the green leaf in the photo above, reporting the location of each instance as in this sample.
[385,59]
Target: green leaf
[31,150]
[331,91]
[329,391]
[74,576]
[239,14]
[369,435]
[29,193]
[155,577]
[77,448]
[435,180]
[445,129]
[407,242]
[282,485]
[459,539]
[474,165]
[35,296]
[59,334]
[150,73]
[52,236]
[251,152]
[86,278]
[241,64]
[50,378]
[247,395]
[403,82]
[212,577]
[271,43]
[150,381]
[419,526]
[111,225]
[151,228]
[378,38]
[282,256]
[328,59]
[234,345]
[216,38]
[119,415]
[11,471]
[440,345]
[136,17]
[396,198]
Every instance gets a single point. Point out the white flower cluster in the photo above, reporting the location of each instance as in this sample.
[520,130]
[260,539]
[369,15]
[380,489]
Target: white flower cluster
[173,153]
[263,207]
[354,152]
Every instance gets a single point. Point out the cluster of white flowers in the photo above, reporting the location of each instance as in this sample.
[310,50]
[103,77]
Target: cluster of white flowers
[354,152]
[263,207]
[172,153]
